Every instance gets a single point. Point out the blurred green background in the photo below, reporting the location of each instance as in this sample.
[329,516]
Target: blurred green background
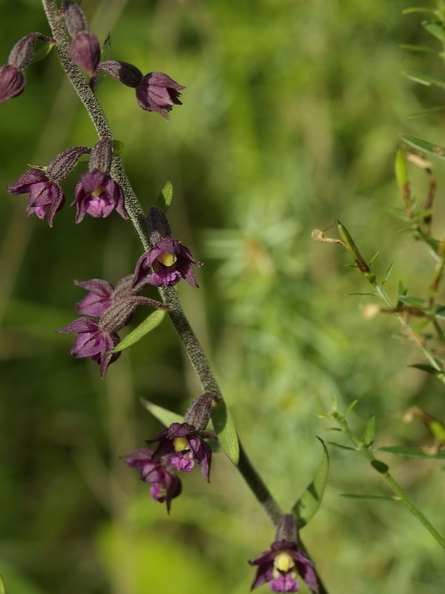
[290,119]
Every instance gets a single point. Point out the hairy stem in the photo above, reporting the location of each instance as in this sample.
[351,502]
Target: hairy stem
[188,338]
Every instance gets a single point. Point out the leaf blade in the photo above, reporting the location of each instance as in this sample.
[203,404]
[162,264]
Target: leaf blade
[225,429]
[149,324]
[307,506]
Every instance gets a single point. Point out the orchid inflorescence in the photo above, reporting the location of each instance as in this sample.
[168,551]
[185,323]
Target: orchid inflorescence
[106,309]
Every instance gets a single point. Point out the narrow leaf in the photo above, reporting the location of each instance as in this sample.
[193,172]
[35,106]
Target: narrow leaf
[165,197]
[350,407]
[149,324]
[2,586]
[308,504]
[413,9]
[388,274]
[434,29]
[369,434]
[427,368]
[342,447]
[424,145]
[417,48]
[412,452]
[424,79]
[166,417]
[225,429]
[368,497]
[428,111]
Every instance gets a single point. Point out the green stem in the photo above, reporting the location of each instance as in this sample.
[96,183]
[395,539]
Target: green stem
[383,470]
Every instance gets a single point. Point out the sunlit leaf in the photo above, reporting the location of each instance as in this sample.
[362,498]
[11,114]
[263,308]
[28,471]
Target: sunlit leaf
[166,417]
[308,504]
[424,79]
[149,324]
[424,145]
[165,197]
[225,429]
[2,586]
[412,452]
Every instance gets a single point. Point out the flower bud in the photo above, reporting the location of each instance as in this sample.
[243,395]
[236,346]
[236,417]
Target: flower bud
[75,19]
[199,412]
[123,72]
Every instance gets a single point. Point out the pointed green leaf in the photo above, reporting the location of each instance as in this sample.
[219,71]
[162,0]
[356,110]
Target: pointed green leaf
[434,29]
[368,497]
[427,368]
[413,9]
[104,55]
[417,48]
[149,324]
[349,408]
[166,417]
[165,197]
[388,273]
[412,452]
[225,429]
[424,79]
[424,145]
[424,112]
[308,504]
[40,53]
[342,447]
[2,586]
[369,434]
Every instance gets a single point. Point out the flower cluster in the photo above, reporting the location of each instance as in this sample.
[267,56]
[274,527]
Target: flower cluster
[12,78]
[180,447]
[97,193]
[114,307]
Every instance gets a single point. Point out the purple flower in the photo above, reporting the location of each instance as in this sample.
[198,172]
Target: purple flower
[184,445]
[93,341]
[45,196]
[165,485]
[12,82]
[99,298]
[85,52]
[169,261]
[280,566]
[158,92]
[98,195]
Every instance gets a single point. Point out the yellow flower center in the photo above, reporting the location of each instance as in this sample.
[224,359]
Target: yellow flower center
[167,259]
[180,444]
[283,562]
[97,192]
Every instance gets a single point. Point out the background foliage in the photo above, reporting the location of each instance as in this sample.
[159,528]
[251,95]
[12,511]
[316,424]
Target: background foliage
[290,120]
